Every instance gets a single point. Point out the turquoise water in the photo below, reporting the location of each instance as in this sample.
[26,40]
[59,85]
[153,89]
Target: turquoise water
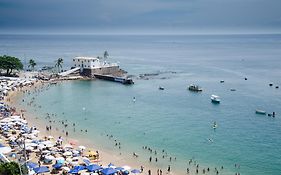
[175,119]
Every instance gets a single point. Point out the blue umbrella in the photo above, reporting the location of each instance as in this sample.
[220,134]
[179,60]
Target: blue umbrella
[41,169]
[108,171]
[76,169]
[93,167]
[31,165]
[111,164]
[87,162]
[119,168]
[135,171]
[57,165]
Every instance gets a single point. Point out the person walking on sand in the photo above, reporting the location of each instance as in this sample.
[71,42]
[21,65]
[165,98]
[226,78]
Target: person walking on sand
[169,169]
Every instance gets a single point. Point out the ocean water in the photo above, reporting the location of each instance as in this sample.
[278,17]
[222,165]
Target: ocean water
[175,119]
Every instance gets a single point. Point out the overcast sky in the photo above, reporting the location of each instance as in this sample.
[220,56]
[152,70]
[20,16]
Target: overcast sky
[136,16]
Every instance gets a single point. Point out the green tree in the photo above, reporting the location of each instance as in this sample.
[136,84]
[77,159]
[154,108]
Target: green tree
[59,63]
[105,54]
[31,64]
[10,63]
[12,168]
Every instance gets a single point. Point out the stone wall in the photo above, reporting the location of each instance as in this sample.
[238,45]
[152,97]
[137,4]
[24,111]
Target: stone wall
[116,71]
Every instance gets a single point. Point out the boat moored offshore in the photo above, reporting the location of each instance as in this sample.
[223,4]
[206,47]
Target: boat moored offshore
[215,99]
[194,88]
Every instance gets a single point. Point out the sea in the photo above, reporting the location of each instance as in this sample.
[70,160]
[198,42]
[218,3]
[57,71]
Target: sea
[175,120]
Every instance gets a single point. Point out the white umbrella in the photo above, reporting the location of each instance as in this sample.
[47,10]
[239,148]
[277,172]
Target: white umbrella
[75,152]
[50,157]
[67,153]
[65,168]
[29,148]
[45,151]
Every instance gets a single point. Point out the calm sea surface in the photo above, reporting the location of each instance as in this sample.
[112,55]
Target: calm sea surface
[175,119]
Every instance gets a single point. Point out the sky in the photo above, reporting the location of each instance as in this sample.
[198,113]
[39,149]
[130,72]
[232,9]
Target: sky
[140,16]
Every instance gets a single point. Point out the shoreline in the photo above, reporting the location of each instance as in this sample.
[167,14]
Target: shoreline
[107,156]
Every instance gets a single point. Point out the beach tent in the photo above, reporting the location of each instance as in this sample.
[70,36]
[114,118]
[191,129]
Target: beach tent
[41,169]
[93,167]
[108,171]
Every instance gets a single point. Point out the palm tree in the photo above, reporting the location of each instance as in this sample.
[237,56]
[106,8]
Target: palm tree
[59,64]
[31,64]
[105,54]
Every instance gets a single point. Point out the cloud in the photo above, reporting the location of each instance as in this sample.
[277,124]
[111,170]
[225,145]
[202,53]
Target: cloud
[142,14]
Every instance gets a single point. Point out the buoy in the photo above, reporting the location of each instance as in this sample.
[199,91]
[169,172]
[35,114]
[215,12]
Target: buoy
[246,79]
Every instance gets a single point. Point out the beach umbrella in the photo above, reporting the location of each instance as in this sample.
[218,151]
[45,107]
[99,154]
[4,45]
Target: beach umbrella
[50,157]
[93,167]
[31,165]
[119,168]
[67,153]
[86,161]
[76,169]
[110,165]
[57,165]
[135,171]
[108,171]
[65,168]
[41,169]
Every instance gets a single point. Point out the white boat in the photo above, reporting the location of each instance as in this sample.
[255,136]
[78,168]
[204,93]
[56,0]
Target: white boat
[215,99]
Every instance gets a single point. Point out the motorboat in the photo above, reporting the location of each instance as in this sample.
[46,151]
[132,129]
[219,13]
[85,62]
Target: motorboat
[258,111]
[161,88]
[215,99]
[194,88]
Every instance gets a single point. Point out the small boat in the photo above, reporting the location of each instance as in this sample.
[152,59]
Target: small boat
[194,88]
[215,125]
[232,89]
[215,99]
[270,84]
[222,81]
[260,112]
[161,88]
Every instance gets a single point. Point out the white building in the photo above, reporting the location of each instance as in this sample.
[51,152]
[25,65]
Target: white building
[92,65]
